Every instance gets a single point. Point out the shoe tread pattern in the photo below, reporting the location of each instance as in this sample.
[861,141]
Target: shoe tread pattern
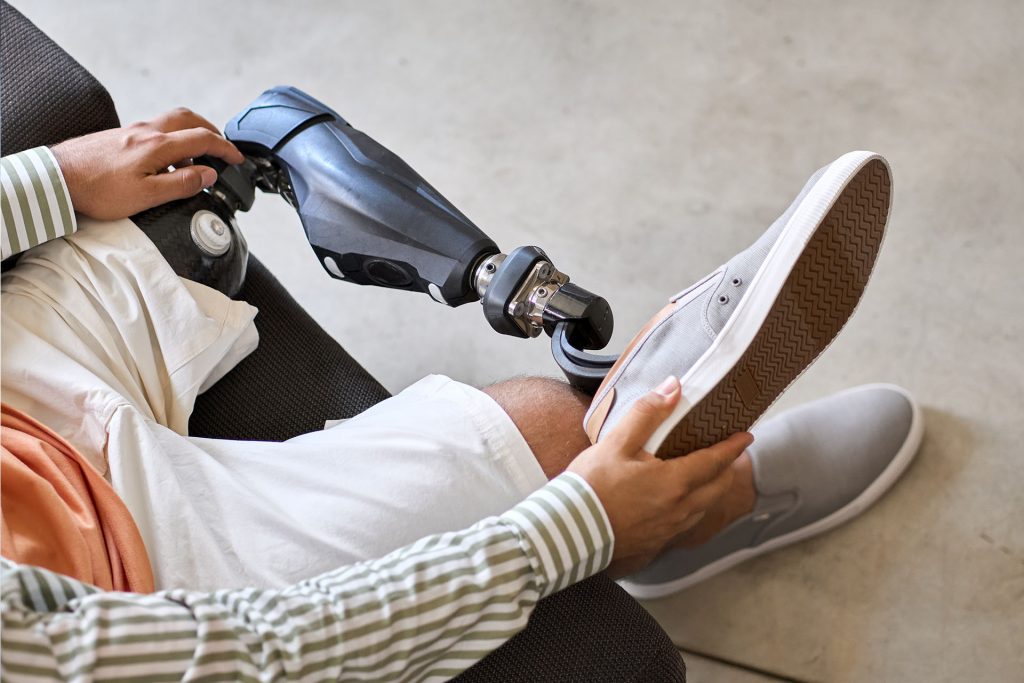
[813,305]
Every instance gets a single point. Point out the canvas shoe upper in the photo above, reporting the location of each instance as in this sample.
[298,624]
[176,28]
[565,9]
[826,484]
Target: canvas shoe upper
[740,335]
[688,324]
[814,467]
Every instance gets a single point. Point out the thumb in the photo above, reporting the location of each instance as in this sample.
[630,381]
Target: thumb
[645,416]
[180,183]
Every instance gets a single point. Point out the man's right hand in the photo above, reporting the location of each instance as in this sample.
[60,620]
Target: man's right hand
[649,501]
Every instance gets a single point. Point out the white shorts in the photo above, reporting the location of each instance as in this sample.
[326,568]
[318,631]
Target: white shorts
[92,348]
[439,456]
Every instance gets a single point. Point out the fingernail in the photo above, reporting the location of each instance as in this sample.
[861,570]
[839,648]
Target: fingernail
[209,176]
[667,387]
[692,521]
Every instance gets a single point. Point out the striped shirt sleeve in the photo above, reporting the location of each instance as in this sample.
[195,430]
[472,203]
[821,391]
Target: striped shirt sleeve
[425,612]
[34,201]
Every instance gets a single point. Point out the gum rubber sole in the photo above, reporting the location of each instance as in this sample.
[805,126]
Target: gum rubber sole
[817,298]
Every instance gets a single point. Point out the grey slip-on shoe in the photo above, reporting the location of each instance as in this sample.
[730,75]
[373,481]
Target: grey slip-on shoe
[739,336]
[815,467]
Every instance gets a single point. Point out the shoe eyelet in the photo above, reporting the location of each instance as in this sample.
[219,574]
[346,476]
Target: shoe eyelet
[723,299]
[736,282]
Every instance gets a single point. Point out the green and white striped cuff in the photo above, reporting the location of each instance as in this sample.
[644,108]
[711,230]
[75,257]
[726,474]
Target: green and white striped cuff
[570,537]
[35,203]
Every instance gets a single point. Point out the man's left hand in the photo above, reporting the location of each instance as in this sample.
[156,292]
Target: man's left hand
[119,172]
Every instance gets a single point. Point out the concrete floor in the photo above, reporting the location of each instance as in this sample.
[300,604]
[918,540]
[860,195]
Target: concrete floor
[641,144]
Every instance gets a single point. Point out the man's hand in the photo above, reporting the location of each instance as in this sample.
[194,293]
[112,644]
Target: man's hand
[119,172]
[649,501]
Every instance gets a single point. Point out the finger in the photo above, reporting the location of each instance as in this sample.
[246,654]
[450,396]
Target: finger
[181,119]
[705,497]
[194,142]
[681,534]
[691,521]
[700,467]
[179,184]
[649,411]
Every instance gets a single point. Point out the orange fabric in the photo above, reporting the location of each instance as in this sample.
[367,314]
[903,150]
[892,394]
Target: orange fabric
[58,512]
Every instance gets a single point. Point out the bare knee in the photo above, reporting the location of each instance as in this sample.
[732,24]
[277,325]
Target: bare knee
[549,414]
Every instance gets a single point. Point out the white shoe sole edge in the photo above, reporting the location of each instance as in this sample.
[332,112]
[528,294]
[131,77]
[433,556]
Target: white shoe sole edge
[885,481]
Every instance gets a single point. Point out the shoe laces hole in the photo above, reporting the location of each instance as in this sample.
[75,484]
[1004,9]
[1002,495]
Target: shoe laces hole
[723,299]
[736,282]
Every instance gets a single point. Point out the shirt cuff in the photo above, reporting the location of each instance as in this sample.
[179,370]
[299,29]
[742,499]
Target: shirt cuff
[35,201]
[567,533]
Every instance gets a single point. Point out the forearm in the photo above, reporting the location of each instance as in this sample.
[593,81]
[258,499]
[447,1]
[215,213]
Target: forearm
[426,611]
[35,202]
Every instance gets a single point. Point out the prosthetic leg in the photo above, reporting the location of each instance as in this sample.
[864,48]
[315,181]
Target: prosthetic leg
[372,220]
